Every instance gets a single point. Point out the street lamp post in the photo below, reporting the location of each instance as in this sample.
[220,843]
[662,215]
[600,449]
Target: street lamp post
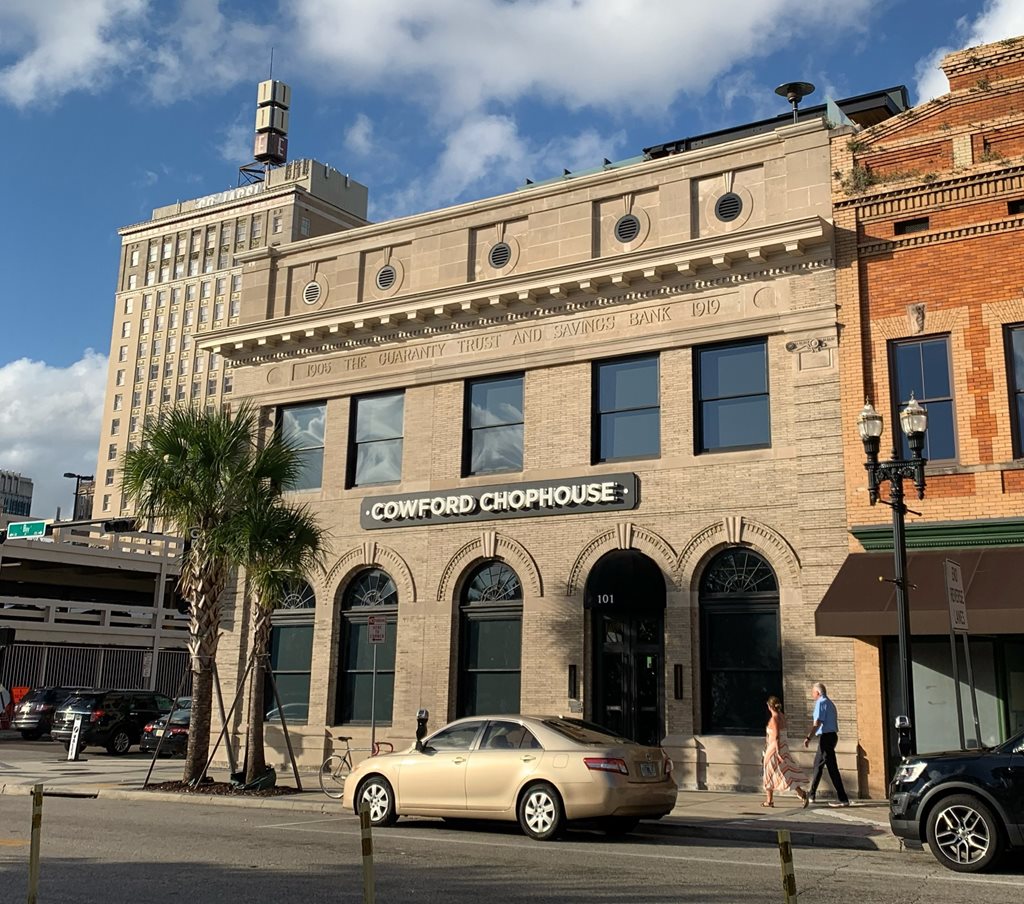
[914,421]
[77,478]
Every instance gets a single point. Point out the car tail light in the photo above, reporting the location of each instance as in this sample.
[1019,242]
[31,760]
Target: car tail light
[669,765]
[96,715]
[149,727]
[179,731]
[606,764]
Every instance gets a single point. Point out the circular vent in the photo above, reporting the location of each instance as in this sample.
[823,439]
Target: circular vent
[728,207]
[500,255]
[311,294]
[386,277]
[627,228]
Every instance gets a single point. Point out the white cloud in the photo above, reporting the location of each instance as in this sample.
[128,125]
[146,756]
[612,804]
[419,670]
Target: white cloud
[50,423]
[998,19]
[236,144]
[359,136]
[63,46]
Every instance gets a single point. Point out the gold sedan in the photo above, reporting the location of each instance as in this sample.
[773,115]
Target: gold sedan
[543,771]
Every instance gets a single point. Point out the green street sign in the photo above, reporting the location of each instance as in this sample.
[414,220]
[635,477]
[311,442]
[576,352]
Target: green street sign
[26,530]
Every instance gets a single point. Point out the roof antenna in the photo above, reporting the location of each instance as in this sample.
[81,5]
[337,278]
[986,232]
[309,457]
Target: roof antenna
[795,92]
[271,63]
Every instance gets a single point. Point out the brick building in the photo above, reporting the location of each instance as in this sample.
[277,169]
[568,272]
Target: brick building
[577,446]
[929,215]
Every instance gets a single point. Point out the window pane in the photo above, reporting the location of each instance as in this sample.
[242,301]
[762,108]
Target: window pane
[358,689]
[493,643]
[1020,419]
[496,402]
[736,700]
[457,738]
[628,384]
[294,692]
[1017,363]
[379,462]
[936,369]
[291,647]
[733,370]
[908,372]
[497,449]
[379,417]
[743,640]
[359,654]
[491,692]
[311,473]
[304,424]
[735,422]
[940,437]
[631,434]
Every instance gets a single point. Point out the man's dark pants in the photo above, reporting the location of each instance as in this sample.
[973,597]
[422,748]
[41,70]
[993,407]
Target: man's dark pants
[824,759]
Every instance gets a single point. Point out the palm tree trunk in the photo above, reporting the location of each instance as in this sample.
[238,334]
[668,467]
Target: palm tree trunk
[203,588]
[256,761]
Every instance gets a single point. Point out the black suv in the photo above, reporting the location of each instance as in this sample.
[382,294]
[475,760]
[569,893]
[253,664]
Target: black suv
[967,804]
[111,719]
[33,716]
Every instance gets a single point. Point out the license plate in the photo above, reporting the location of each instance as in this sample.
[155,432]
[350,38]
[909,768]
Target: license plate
[158,732]
[648,770]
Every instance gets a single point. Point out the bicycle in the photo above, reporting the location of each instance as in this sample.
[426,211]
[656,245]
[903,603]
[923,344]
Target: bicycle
[335,769]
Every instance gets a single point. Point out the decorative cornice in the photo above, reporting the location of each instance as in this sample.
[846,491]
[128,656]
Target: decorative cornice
[938,237]
[944,534]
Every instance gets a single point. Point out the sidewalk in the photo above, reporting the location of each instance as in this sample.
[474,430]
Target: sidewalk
[727,816]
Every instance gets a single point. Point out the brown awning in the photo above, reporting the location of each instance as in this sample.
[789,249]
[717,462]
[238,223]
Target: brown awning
[859,604]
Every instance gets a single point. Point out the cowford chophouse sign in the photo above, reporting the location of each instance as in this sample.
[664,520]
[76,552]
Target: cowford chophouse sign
[574,496]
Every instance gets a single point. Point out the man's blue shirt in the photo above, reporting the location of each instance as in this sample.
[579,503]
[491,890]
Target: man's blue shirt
[825,713]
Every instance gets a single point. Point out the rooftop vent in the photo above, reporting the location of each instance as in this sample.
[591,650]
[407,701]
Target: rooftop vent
[627,228]
[728,207]
[311,293]
[500,255]
[386,277]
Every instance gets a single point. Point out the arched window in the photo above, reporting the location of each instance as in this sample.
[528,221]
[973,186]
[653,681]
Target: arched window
[741,650]
[291,655]
[370,593]
[490,641]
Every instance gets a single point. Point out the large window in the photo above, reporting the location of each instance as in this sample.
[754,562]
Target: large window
[291,656]
[922,368]
[494,425]
[304,426]
[490,641]
[627,414]
[371,592]
[1015,375]
[375,453]
[732,397]
[741,653]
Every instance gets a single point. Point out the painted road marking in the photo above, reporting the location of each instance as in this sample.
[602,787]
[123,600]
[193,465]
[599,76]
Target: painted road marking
[12,842]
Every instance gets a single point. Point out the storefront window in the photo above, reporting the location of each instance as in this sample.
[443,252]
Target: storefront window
[375,454]
[741,652]
[304,426]
[372,592]
[291,655]
[490,641]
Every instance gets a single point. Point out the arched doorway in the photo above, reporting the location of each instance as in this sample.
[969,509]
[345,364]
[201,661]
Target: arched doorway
[625,594]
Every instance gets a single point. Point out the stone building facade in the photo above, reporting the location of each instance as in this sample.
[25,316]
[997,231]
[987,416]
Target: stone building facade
[578,448]
[928,219]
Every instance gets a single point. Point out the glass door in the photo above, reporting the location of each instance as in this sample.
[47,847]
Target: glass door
[628,673]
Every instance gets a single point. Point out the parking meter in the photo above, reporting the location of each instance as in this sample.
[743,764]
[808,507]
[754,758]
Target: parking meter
[421,727]
[903,735]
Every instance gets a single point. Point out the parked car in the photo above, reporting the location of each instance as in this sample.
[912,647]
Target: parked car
[33,716]
[543,771]
[110,718]
[173,728]
[968,805]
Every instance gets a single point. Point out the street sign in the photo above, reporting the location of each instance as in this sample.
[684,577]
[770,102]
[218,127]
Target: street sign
[147,664]
[956,598]
[26,530]
[378,628]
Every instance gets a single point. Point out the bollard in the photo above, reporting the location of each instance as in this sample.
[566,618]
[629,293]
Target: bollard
[369,895]
[788,876]
[33,857]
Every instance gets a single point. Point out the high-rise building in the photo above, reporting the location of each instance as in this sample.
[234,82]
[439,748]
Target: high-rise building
[15,496]
[178,277]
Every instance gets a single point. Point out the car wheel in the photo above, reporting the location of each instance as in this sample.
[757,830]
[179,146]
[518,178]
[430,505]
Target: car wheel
[540,812]
[119,743]
[620,825]
[32,734]
[378,794]
[963,834]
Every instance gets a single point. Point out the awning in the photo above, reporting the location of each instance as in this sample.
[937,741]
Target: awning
[862,599]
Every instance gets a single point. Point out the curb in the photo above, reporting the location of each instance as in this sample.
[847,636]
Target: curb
[769,836]
[325,808]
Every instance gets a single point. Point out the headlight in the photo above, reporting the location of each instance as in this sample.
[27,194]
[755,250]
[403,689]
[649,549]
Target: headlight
[909,772]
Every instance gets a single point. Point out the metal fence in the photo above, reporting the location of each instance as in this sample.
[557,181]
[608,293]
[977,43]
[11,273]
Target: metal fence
[35,665]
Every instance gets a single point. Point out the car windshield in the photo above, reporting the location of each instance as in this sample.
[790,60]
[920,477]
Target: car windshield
[585,732]
[183,703]
[180,717]
[36,695]
[79,702]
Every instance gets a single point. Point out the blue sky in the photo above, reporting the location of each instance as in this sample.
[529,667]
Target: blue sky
[114,107]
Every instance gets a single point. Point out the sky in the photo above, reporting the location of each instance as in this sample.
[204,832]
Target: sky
[114,107]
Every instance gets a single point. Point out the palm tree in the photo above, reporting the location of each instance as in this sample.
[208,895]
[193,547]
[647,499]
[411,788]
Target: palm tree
[279,544]
[196,470]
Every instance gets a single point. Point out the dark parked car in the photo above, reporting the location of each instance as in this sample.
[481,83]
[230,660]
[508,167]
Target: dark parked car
[173,728]
[33,716]
[111,719]
[968,805]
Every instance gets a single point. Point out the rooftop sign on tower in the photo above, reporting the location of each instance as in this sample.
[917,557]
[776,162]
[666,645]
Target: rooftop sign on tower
[273,100]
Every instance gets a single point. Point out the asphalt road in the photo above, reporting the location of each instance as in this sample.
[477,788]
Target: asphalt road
[120,851]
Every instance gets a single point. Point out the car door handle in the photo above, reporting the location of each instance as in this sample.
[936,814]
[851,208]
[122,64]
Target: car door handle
[459,760]
[528,758]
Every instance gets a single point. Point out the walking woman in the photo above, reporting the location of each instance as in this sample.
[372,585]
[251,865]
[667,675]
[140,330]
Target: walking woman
[781,773]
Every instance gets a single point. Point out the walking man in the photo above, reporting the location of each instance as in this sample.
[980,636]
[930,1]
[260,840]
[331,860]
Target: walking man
[826,727]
